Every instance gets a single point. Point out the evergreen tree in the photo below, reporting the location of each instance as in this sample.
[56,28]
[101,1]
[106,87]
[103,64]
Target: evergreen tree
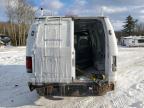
[129,25]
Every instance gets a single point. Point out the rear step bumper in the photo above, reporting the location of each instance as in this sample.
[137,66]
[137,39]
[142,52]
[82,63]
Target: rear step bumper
[73,89]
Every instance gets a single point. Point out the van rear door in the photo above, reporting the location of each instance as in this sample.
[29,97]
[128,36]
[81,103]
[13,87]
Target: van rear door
[111,51]
[54,51]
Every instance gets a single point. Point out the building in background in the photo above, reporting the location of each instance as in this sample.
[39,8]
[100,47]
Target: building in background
[132,41]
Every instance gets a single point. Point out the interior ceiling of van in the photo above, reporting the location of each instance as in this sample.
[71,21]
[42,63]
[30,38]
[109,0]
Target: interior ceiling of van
[83,24]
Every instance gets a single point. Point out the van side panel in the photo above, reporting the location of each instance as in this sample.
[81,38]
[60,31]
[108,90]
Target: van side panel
[53,51]
[112,52]
[31,39]
[30,47]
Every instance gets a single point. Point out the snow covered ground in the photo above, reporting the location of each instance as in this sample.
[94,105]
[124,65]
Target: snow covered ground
[129,92]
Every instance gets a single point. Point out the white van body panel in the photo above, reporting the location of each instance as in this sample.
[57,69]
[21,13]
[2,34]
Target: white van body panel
[30,47]
[53,53]
[31,39]
[112,51]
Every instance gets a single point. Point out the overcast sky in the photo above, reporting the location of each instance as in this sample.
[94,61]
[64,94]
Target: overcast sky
[116,10]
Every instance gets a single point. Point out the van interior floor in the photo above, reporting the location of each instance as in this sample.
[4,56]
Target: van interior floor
[89,48]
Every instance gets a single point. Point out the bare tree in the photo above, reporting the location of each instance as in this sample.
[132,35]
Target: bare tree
[20,15]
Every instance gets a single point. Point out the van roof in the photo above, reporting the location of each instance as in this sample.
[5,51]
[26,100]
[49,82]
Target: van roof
[74,17]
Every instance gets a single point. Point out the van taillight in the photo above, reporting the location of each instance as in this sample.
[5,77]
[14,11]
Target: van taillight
[29,64]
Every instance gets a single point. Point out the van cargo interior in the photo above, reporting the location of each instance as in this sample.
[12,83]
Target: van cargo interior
[89,42]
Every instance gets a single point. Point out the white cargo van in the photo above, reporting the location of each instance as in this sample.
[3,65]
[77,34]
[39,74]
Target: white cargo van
[71,55]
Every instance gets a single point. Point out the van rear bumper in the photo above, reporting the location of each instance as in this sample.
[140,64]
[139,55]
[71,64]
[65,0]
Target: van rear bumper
[72,89]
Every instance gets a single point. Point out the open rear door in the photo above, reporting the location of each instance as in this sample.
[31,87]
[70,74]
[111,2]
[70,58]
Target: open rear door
[54,51]
[111,52]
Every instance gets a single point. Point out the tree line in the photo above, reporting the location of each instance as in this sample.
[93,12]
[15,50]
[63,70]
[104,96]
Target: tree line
[20,16]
